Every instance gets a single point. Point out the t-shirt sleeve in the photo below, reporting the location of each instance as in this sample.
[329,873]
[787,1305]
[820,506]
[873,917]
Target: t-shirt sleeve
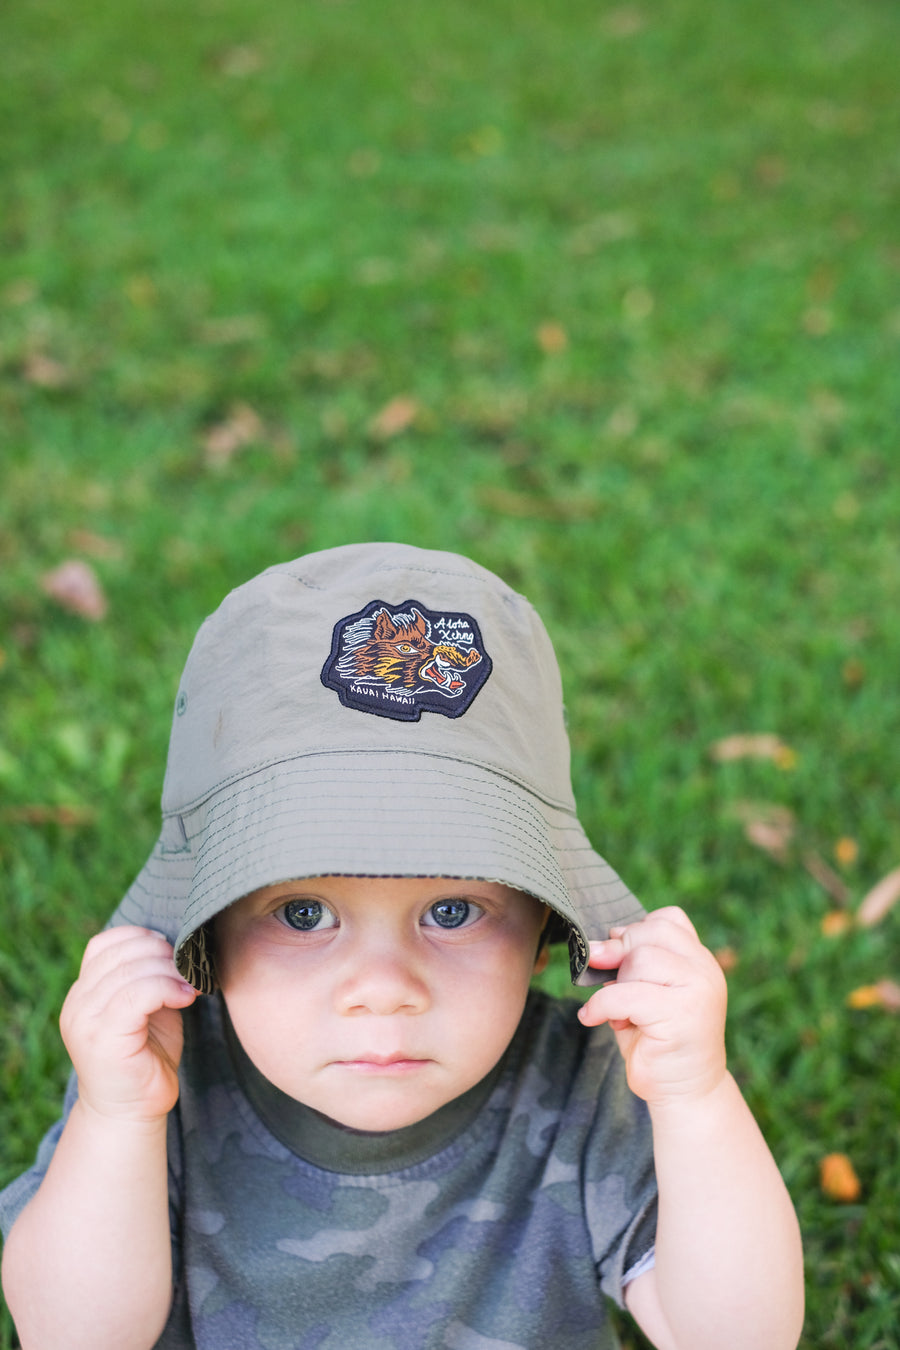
[18,1193]
[620,1196]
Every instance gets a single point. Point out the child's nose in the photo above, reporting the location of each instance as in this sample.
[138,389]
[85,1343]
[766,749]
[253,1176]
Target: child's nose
[382,981]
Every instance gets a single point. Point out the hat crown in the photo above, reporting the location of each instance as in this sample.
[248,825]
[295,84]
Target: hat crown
[254,688]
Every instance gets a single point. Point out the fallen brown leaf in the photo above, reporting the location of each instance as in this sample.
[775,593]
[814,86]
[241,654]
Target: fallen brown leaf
[235,328]
[880,900]
[45,372]
[528,506]
[241,61]
[141,290]
[625,21]
[889,992]
[753,745]
[96,545]
[767,825]
[552,338]
[772,839]
[827,878]
[838,1178]
[19,292]
[394,418]
[74,586]
[727,958]
[818,320]
[746,810]
[770,170]
[240,428]
[69,816]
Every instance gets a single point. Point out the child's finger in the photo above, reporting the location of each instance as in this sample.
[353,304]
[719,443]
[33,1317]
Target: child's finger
[126,997]
[669,928]
[118,946]
[657,962]
[142,987]
[650,963]
[673,914]
[112,937]
[607,955]
[635,1003]
[658,965]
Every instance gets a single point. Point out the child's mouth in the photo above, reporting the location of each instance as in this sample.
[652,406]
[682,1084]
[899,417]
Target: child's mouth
[376,1064]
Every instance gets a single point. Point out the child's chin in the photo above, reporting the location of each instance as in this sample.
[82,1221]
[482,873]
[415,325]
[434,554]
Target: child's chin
[380,1115]
[382,1121]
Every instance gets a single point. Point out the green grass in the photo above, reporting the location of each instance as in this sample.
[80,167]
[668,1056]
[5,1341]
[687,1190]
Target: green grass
[312,209]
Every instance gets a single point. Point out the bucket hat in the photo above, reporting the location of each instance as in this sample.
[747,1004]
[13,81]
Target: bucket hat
[370,710]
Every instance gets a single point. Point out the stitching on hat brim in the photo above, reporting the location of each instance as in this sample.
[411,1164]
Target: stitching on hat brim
[360,754]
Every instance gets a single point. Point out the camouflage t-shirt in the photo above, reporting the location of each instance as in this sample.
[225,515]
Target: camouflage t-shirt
[502,1222]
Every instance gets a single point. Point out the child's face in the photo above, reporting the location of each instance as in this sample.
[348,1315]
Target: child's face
[377,1000]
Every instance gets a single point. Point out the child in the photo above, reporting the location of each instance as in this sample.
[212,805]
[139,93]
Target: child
[366,1133]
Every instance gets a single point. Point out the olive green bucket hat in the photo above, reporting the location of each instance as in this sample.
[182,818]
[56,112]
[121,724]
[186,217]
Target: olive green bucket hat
[370,710]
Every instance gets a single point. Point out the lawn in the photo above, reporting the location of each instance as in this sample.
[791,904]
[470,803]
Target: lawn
[605,296]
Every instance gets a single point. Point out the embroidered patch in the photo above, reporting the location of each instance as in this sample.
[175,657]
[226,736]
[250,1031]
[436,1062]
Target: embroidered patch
[402,660]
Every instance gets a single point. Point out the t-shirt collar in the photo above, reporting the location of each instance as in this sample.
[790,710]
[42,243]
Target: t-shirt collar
[337,1148]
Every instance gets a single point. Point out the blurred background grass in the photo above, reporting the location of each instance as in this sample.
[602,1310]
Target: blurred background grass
[603,295]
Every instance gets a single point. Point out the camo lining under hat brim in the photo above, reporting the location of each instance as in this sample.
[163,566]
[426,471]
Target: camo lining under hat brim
[372,814]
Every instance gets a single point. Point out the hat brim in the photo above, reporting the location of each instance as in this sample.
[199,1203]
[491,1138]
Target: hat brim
[373,814]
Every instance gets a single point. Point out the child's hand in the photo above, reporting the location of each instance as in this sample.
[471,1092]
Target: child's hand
[121,1023]
[667,1007]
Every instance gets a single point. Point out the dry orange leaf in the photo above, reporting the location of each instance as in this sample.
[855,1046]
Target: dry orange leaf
[880,900]
[727,958]
[394,418]
[836,923]
[552,338]
[838,1178]
[74,586]
[846,851]
[753,745]
[885,994]
[866,996]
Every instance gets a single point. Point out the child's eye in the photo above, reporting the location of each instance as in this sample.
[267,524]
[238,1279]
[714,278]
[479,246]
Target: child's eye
[452,914]
[307,915]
